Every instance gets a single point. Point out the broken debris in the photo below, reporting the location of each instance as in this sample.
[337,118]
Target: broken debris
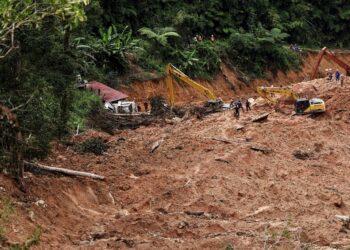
[260,118]
[264,150]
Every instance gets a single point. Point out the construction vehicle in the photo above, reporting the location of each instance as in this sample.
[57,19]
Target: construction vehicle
[173,72]
[301,105]
[330,55]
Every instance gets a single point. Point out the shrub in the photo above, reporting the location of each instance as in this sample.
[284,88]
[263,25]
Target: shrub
[255,53]
[84,102]
[94,145]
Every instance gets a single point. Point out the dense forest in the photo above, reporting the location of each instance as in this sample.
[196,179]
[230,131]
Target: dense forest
[44,44]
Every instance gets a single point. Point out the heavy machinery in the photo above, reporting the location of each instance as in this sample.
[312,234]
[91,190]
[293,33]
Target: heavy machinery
[330,55]
[301,105]
[172,71]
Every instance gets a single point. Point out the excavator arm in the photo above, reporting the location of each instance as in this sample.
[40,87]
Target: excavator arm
[172,71]
[330,55]
[267,93]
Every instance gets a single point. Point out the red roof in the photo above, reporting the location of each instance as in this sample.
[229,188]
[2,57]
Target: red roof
[107,93]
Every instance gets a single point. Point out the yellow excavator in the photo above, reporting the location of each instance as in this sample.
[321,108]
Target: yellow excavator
[301,105]
[173,72]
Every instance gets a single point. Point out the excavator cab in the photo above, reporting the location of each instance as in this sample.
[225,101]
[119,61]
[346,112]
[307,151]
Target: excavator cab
[306,106]
[301,105]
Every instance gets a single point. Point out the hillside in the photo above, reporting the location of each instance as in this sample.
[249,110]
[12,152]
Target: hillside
[196,192]
[226,83]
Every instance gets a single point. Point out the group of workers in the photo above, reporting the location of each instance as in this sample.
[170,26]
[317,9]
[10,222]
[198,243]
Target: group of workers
[145,105]
[295,48]
[338,76]
[200,38]
[237,106]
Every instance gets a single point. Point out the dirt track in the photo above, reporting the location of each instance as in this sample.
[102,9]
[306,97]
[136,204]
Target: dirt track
[194,192]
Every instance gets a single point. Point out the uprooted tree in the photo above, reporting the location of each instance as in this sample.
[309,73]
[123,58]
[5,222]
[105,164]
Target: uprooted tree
[11,143]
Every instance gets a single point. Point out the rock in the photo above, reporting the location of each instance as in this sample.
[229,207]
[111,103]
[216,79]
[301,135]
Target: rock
[179,147]
[238,127]
[122,213]
[260,210]
[337,200]
[2,189]
[156,145]
[31,216]
[260,118]
[40,203]
[301,155]
[342,244]
[61,158]
[182,224]
[129,243]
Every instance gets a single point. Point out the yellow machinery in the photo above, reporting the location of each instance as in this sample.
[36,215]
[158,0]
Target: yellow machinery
[172,71]
[301,105]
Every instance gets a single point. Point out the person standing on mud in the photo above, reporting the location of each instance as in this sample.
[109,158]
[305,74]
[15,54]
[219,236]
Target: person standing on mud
[240,106]
[342,80]
[337,76]
[236,108]
[247,105]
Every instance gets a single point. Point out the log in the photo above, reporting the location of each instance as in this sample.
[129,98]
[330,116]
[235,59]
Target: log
[264,150]
[63,171]
[227,141]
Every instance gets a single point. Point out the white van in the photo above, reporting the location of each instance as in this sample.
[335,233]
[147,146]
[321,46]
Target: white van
[122,107]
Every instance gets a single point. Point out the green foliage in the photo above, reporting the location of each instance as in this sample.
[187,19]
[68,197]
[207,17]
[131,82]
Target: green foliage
[94,145]
[229,247]
[200,60]
[6,211]
[83,102]
[33,240]
[264,50]
[16,15]
[112,48]
[159,35]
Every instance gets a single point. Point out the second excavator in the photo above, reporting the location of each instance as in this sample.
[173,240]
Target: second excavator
[172,71]
[330,55]
[301,105]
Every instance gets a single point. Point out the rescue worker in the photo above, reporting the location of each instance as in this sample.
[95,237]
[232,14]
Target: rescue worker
[236,108]
[240,106]
[330,74]
[337,76]
[342,80]
[247,105]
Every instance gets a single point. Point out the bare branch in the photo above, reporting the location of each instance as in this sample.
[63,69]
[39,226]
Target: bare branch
[23,104]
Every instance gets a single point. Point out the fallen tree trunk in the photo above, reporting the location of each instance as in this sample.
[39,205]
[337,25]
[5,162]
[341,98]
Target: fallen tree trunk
[63,171]
[227,141]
